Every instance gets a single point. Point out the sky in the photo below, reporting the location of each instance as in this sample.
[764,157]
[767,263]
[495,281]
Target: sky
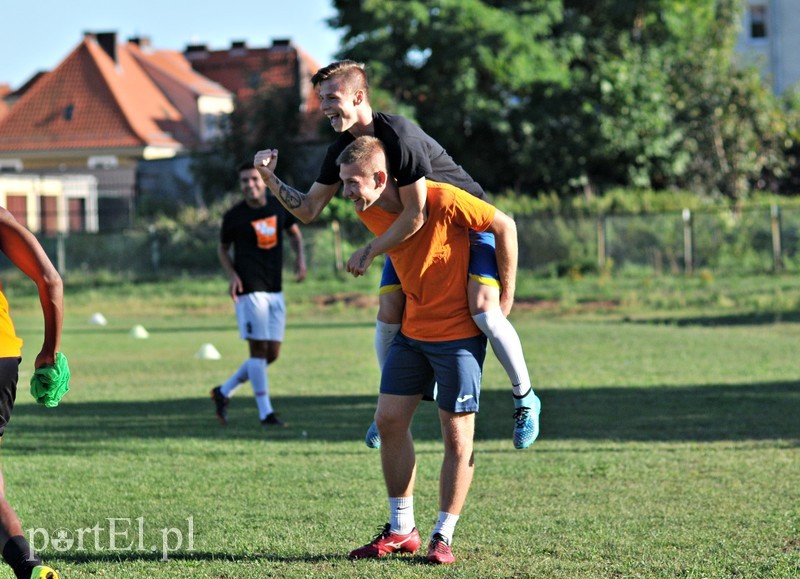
[38,35]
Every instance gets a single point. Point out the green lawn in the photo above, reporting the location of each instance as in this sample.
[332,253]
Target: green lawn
[669,443]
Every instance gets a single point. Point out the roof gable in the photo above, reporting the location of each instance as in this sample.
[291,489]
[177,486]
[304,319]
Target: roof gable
[175,65]
[91,101]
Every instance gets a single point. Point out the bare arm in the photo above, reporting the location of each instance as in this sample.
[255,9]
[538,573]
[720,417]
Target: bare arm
[408,222]
[296,241]
[305,206]
[505,235]
[224,255]
[24,251]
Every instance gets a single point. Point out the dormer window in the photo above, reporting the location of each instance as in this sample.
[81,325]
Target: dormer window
[103,162]
[68,110]
[10,165]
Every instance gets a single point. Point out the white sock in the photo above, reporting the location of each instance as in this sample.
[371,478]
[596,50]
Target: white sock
[401,511]
[236,379]
[384,334]
[506,347]
[445,526]
[257,371]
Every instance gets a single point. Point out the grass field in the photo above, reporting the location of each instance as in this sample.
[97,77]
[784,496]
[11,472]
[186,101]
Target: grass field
[669,442]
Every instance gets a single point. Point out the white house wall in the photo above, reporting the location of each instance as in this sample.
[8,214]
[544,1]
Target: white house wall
[34,187]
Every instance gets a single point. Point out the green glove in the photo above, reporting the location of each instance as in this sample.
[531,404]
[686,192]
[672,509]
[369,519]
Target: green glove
[50,383]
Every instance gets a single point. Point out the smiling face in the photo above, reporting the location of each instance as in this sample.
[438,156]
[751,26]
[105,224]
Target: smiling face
[339,103]
[361,185]
[253,187]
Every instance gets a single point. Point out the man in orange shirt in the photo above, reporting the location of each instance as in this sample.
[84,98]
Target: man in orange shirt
[439,342]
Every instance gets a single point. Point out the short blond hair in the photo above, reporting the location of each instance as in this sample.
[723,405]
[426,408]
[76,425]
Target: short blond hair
[366,152]
[351,72]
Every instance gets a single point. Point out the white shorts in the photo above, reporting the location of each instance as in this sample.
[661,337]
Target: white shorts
[261,316]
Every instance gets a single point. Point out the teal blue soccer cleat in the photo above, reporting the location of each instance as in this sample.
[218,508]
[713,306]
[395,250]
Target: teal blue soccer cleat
[373,437]
[526,424]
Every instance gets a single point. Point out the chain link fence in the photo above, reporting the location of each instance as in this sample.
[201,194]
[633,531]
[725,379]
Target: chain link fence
[748,241]
[724,242]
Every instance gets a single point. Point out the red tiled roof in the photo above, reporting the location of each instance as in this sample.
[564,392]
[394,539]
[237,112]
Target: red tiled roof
[5,90]
[244,71]
[175,65]
[90,101]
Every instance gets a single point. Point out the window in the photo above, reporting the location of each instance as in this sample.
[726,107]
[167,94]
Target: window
[10,166]
[17,205]
[48,208]
[758,22]
[103,162]
[77,214]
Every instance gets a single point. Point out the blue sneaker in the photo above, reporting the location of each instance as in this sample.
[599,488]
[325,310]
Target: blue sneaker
[373,437]
[526,424]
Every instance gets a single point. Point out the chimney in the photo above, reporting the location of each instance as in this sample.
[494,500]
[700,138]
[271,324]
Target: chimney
[281,44]
[107,41]
[238,48]
[140,41]
[196,52]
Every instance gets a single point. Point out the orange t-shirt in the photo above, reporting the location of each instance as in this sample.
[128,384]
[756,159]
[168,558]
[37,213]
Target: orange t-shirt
[10,344]
[433,264]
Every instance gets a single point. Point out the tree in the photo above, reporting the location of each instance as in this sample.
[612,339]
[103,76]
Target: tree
[577,95]
[468,68]
[270,116]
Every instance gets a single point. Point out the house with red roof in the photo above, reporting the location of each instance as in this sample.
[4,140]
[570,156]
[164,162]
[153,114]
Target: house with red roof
[105,108]
[129,115]
[245,70]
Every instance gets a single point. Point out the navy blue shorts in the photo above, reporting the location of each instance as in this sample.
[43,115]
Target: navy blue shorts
[9,375]
[413,368]
[482,264]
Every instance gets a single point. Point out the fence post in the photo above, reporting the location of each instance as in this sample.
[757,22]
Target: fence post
[337,246]
[601,242]
[688,249]
[155,249]
[777,260]
[61,255]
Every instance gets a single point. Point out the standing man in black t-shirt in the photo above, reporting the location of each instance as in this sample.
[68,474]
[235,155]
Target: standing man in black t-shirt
[252,230]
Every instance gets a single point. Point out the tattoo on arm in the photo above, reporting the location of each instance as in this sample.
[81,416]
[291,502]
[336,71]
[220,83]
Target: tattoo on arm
[292,197]
[367,251]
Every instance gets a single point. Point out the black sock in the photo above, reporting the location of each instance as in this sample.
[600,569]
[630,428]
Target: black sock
[19,555]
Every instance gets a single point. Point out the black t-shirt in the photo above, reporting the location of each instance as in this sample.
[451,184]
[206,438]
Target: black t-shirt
[257,239]
[411,153]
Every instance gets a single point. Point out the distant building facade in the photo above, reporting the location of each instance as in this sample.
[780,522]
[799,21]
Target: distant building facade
[128,116]
[770,39]
[246,70]
[105,108]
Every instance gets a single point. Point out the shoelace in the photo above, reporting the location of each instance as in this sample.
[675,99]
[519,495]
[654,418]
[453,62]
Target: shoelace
[521,415]
[439,543]
[384,532]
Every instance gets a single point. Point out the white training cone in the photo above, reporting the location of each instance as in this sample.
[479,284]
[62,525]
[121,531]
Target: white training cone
[98,319]
[139,332]
[208,352]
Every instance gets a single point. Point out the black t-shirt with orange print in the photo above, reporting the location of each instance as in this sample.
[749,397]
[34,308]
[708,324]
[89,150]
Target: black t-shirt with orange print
[257,239]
